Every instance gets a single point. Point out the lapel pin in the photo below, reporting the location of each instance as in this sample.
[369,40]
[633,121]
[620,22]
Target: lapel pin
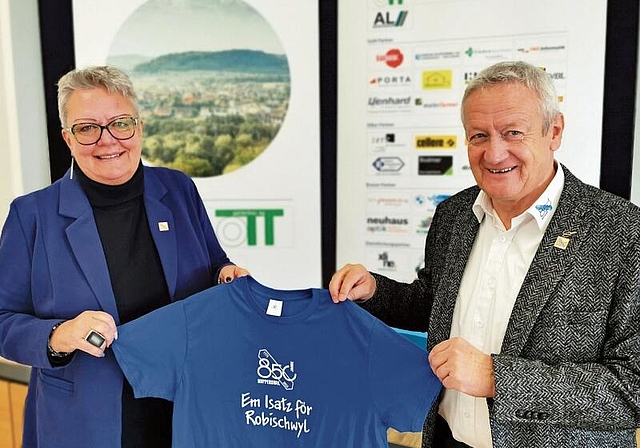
[563,241]
[163,226]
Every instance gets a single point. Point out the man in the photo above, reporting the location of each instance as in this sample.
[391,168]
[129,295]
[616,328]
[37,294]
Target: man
[530,292]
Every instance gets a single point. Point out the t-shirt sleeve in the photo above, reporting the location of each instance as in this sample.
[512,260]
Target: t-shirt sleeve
[151,351]
[402,382]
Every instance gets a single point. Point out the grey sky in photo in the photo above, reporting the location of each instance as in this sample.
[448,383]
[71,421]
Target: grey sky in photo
[173,26]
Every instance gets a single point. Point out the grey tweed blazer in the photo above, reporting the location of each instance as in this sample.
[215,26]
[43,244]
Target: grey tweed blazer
[568,373]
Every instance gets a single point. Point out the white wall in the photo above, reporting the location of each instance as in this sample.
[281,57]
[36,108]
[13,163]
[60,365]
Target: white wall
[24,153]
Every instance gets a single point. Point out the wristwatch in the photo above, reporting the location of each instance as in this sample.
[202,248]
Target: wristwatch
[50,350]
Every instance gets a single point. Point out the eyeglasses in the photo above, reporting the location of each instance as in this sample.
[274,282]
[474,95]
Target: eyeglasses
[121,128]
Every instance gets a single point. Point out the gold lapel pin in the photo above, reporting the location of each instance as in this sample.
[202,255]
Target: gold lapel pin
[163,226]
[563,241]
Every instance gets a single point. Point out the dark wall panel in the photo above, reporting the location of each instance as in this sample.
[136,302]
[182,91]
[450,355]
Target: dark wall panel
[58,57]
[621,67]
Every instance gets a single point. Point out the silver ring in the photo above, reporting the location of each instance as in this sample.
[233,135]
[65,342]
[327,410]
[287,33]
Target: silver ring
[95,338]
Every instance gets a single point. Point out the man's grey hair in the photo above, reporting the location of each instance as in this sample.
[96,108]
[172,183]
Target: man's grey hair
[112,79]
[519,72]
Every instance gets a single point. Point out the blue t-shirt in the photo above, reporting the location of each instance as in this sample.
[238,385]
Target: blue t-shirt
[249,366]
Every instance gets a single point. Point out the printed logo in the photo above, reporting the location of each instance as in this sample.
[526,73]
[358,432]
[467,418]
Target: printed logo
[436,141]
[544,209]
[392,58]
[556,76]
[385,262]
[469,76]
[419,102]
[431,201]
[436,55]
[390,102]
[388,164]
[391,81]
[385,20]
[435,165]
[437,79]
[383,139]
[271,372]
[388,225]
[541,49]
[395,202]
[231,232]
[488,53]
[278,413]
[423,225]
[388,221]
[436,199]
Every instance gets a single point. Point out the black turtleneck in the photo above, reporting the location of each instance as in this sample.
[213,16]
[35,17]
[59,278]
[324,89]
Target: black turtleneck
[139,286]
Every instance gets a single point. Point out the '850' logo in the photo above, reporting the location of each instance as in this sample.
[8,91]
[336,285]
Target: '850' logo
[273,373]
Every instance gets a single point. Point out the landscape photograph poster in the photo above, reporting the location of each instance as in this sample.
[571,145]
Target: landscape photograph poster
[228,94]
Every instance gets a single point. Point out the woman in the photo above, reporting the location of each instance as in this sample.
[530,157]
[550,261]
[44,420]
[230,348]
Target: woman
[109,242]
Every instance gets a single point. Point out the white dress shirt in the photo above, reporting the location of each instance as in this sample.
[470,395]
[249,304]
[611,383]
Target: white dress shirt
[496,268]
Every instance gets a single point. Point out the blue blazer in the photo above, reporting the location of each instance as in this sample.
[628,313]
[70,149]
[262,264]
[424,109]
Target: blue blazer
[52,267]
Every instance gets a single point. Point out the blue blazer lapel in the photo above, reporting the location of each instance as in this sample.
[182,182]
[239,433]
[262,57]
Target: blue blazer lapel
[163,230]
[85,244]
[548,266]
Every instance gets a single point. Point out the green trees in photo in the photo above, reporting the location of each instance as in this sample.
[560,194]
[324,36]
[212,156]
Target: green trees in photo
[205,148]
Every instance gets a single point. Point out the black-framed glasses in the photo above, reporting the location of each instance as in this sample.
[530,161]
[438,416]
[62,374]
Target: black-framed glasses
[121,128]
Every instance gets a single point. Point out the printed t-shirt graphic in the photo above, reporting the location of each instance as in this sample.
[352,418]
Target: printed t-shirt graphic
[250,366]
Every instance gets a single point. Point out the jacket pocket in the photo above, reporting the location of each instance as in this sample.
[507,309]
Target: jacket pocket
[55,381]
[584,336]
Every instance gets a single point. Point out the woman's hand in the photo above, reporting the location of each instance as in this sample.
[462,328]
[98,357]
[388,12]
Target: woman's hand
[230,272]
[71,335]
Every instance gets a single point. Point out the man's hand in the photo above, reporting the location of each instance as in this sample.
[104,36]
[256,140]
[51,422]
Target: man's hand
[353,282]
[462,367]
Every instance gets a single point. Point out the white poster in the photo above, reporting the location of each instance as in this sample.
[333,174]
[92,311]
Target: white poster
[229,93]
[403,67]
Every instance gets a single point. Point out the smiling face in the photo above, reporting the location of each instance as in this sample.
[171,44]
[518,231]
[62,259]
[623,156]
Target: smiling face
[510,157]
[108,161]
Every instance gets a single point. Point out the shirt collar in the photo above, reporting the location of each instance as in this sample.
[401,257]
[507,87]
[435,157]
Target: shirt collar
[541,210]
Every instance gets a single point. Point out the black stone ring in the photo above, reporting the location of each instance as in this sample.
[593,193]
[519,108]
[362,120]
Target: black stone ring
[95,338]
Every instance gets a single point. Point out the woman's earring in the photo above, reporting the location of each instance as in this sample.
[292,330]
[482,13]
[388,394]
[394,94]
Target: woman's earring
[71,174]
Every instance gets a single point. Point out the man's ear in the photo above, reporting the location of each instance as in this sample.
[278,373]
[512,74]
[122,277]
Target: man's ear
[556,129]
